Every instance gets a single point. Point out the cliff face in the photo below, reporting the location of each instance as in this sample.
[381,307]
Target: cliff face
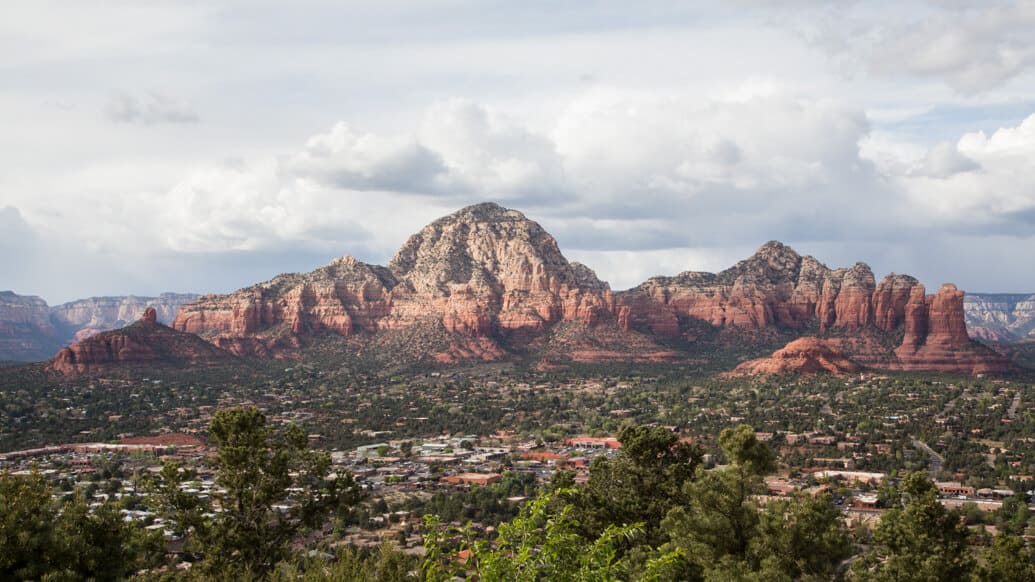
[1000,317]
[936,337]
[775,287]
[30,330]
[26,333]
[83,318]
[483,272]
[494,281]
[144,343]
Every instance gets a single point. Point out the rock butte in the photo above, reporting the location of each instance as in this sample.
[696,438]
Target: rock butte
[145,342]
[489,273]
[807,355]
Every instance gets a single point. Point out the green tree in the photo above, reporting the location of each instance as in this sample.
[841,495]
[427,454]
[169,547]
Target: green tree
[804,538]
[536,545]
[720,517]
[1007,559]
[26,527]
[921,541]
[640,485]
[273,487]
[42,538]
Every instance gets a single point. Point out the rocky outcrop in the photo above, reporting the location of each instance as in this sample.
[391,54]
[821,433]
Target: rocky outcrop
[936,337]
[144,343]
[775,287]
[493,281]
[1000,317]
[30,330]
[807,355]
[83,318]
[484,272]
[26,333]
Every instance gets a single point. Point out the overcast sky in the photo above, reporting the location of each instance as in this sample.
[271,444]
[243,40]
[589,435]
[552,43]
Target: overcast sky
[204,146]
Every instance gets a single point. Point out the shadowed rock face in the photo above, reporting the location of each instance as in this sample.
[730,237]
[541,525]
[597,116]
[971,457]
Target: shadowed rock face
[26,332]
[80,319]
[494,280]
[145,342]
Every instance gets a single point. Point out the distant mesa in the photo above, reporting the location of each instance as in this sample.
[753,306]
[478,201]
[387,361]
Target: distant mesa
[31,330]
[1000,317]
[486,283]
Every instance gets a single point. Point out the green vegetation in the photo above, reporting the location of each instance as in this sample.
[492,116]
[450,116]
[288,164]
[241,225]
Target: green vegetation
[43,538]
[652,512]
[273,487]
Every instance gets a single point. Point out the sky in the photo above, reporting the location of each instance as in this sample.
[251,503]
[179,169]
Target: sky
[205,145]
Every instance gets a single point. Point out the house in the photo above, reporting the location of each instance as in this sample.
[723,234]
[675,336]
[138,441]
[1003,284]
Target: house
[588,442]
[473,479]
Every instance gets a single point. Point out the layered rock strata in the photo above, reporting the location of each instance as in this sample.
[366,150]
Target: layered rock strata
[144,343]
[83,318]
[1000,317]
[26,332]
[492,276]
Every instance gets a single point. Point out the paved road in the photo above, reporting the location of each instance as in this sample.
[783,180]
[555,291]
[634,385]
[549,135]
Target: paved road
[935,461]
[1012,413]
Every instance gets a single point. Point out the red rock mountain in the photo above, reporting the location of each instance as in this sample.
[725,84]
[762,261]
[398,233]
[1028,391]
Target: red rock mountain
[483,274]
[143,343]
[493,281]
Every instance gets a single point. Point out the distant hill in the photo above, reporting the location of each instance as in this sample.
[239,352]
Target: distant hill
[1000,317]
[30,330]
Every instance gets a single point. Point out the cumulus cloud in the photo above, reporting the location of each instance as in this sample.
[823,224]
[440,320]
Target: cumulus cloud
[998,199]
[683,183]
[489,154]
[341,158]
[971,47]
[149,109]
[16,236]
[614,172]
[944,160]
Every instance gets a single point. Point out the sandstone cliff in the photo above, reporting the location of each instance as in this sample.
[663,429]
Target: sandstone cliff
[774,287]
[1000,317]
[30,330]
[83,318]
[144,343]
[484,272]
[936,337]
[486,281]
[26,333]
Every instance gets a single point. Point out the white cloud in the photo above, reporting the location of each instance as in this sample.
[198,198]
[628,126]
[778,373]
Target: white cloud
[639,131]
[344,159]
[944,160]
[488,154]
[998,199]
[150,109]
